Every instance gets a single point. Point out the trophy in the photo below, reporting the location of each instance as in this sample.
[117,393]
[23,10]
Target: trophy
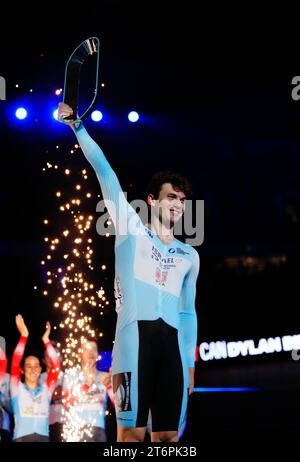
[81,79]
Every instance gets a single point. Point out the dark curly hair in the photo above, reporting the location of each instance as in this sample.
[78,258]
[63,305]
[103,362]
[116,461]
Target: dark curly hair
[178,181]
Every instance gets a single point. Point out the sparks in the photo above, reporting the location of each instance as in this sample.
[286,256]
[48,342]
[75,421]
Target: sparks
[69,270]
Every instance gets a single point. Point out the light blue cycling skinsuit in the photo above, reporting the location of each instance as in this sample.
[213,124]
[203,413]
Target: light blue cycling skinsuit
[154,281]
[31,407]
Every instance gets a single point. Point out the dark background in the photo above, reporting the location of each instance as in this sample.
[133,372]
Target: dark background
[214,90]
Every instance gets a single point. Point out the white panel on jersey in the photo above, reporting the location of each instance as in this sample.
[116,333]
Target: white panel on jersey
[159,268]
[33,406]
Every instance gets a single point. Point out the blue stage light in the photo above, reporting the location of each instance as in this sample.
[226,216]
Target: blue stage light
[21,113]
[133,116]
[55,114]
[224,389]
[97,116]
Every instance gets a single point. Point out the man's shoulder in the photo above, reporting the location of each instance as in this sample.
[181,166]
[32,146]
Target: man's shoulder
[188,249]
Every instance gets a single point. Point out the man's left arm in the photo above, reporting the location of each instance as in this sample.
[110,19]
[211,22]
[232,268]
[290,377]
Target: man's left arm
[54,371]
[3,365]
[188,317]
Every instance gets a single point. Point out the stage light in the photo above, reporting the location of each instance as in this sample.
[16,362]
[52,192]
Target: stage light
[55,114]
[97,116]
[21,113]
[133,116]
[224,389]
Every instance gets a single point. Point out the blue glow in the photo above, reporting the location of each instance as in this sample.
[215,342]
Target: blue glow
[55,114]
[21,113]
[104,362]
[97,116]
[133,116]
[222,389]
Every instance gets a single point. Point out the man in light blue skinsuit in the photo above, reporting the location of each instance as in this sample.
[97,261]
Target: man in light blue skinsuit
[155,289]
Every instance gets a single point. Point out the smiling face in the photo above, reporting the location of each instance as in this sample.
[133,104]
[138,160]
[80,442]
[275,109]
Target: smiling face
[32,370]
[89,354]
[169,206]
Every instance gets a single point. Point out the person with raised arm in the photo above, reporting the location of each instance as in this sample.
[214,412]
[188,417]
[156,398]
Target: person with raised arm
[30,401]
[155,288]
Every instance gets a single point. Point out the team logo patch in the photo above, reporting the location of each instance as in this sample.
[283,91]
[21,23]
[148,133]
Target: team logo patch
[178,250]
[121,388]
[161,276]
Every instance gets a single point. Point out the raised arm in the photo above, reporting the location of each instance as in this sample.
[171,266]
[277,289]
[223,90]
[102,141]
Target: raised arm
[119,209]
[15,372]
[54,371]
[3,365]
[188,317]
